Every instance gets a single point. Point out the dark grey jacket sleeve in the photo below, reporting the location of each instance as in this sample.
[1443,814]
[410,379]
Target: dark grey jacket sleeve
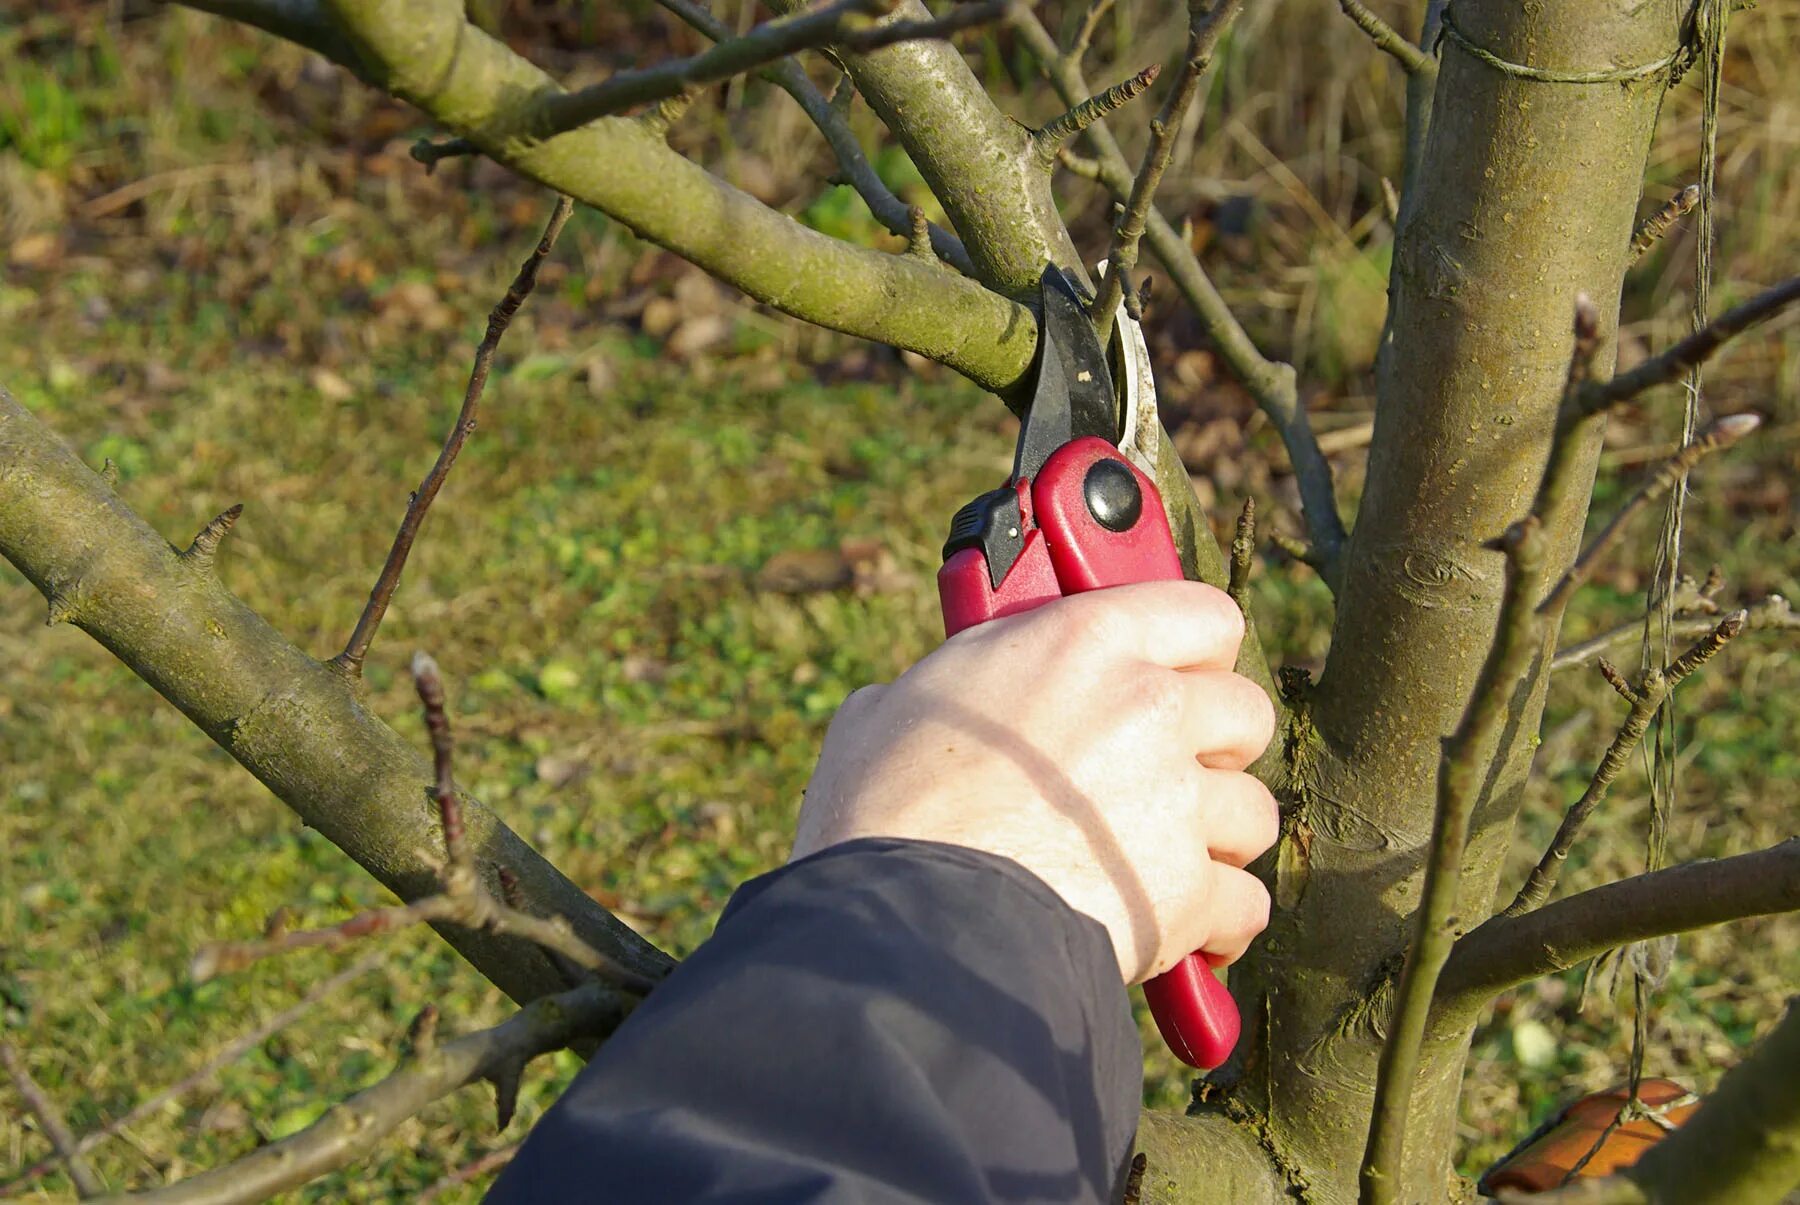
[886,1021]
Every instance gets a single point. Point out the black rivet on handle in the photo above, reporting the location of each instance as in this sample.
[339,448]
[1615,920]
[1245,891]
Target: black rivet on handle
[1112,495]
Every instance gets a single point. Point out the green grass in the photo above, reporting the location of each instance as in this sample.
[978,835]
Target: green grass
[294,334]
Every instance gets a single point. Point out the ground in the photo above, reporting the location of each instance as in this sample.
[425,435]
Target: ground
[683,531]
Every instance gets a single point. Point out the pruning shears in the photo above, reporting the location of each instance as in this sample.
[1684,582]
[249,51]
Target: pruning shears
[1080,512]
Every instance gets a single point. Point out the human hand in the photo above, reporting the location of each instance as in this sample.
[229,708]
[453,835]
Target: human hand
[1099,741]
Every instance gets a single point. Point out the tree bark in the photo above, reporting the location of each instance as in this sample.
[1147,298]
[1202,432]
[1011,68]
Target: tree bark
[1523,198]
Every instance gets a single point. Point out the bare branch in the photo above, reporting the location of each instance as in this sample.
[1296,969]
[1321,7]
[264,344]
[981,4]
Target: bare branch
[1090,24]
[227,1054]
[1271,383]
[1645,701]
[357,648]
[1243,549]
[1412,60]
[1207,22]
[303,22]
[1051,136]
[1696,349]
[826,114]
[50,1120]
[1651,230]
[1719,435]
[1770,614]
[353,1128]
[1466,754]
[842,23]
[1509,950]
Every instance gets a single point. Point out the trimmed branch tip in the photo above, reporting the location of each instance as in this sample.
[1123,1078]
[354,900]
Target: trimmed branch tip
[1050,137]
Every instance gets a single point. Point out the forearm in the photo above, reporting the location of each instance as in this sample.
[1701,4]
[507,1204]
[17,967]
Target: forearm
[886,1021]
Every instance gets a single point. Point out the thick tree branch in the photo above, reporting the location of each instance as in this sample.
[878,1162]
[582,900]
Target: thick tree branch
[357,648]
[853,165]
[293,722]
[425,52]
[1696,349]
[303,22]
[977,161]
[50,1120]
[1207,22]
[351,1129]
[1509,950]
[1271,383]
[1645,700]
[1468,753]
[1412,60]
[1743,1146]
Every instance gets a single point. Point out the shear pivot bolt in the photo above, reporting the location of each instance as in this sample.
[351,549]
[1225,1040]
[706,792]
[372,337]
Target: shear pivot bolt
[1112,495]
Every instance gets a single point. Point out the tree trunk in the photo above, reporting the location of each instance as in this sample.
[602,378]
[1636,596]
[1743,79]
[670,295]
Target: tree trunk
[1525,196]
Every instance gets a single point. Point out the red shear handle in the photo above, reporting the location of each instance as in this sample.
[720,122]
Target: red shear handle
[1093,520]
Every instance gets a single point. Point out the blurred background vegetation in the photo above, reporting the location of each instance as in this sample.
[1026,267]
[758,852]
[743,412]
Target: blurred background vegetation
[687,527]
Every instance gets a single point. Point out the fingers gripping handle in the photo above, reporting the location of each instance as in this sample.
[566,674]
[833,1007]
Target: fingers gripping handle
[1090,520]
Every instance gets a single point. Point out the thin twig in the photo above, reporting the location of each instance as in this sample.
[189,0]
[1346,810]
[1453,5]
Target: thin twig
[853,166]
[1412,60]
[357,648]
[1207,22]
[1719,434]
[1696,349]
[1506,951]
[1270,382]
[1243,550]
[1468,750]
[1052,135]
[352,1128]
[227,1054]
[493,1161]
[1645,700]
[1090,23]
[1773,613]
[1652,229]
[728,57]
[843,23]
[50,1120]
